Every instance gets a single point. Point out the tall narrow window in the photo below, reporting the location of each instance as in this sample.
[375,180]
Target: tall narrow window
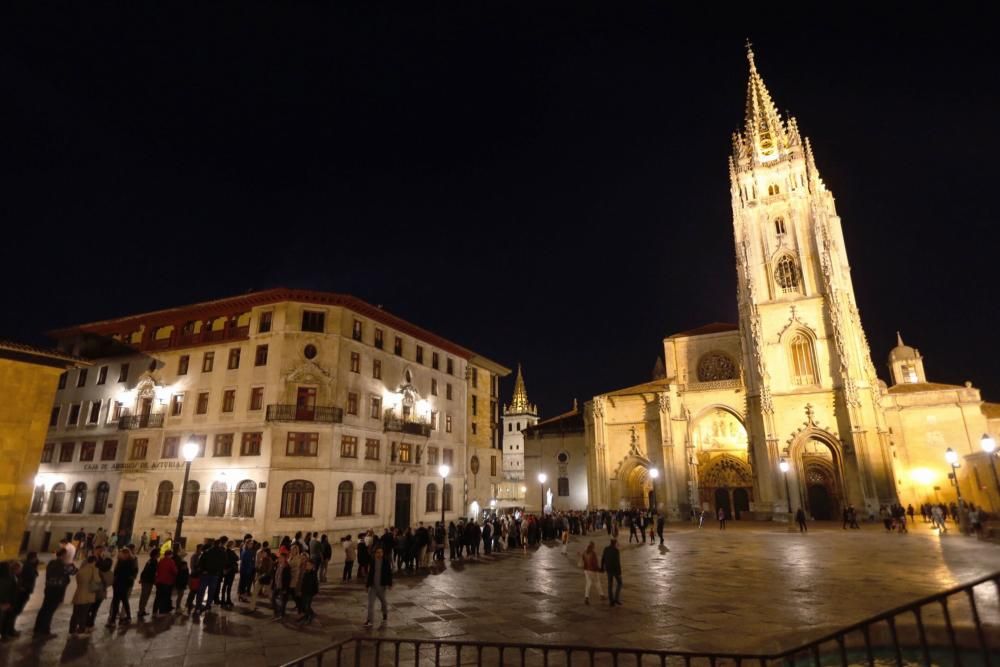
[475,378]
[208,362]
[102,375]
[450,366]
[171,446]
[779,226]
[313,320]
[352,403]
[357,330]
[66,452]
[786,274]
[139,448]
[257,398]
[81,378]
[164,498]
[176,405]
[54,417]
[191,498]
[432,498]
[246,499]
[376,369]
[62,379]
[123,373]
[228,400]
[101,498]
[223,444]
[260,358]
[264,323]
[57,498]
[234,359]
[803,363]
[368,498]
[79,498]
[250,444]
[375,411]
[297,499]
[379,336]
[38,499]
[349,447]
[435,360]
[446,497]
[48,450]
[420,354]
[345,499]
[202,407]
[87,451]
[217,499]
[355,362]
[397,347]
[372,445]
[94,414]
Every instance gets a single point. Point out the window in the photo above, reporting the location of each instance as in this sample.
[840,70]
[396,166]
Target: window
[78,498]
[101,498]
[355,362]
[434,420]
[115,411]
[474,429]
[102,375]
[228,400]
[447,497]
[256,398]
[260,357]
[786,274]
[74,415]
[803,368]
[109,450]
[191,498]
[909,373]
[475,378]
[345,498]
[349,447]
[66,452]
[357,330]
[435,360]
[510,428]
[447,457]
[297,499]
[379,338]
[302,444]
[493,465]
[376,369]
[475,406]
[58,498]
[447,391]
[123,373]
[207,362]
[352,403]
[368,498]
[405,453]
[245,500]
[715,366]
[87,451]
[372,446]
[81,378]
[375,411]
[217,499]
[432,456]
[171,447]
[176,405]
[62,379]
[234,359]
[773,189]
[37,499]
[250,444]
[434,387]
[450,367]
[139,447]
[201,441]
[264,324]
[420,354]
[397,347]
[494,381]
[164,498]
[48,451]
[313,320]
[447,424]
[223,445]
[202,407]
[779,226]
[183,363]
[432,498]
[54,416]
[563,486]
[95,412]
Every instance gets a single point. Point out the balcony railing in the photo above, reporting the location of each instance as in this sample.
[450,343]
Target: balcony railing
[293,413]
[128,422]
[395,425]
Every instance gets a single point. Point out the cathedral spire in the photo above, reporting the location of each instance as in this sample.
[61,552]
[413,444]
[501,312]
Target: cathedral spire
[765,130]
[899,339]
[519,404]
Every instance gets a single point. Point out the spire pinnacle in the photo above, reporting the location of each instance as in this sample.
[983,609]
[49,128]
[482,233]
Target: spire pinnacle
[519,402]
[899,340]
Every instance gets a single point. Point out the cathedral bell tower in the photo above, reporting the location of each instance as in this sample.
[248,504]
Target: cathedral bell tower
[812,393]
[517,416]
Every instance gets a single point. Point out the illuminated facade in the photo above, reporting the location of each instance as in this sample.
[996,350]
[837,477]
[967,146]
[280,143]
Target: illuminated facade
[793,380]
[519,415]
[485,464]
[314,411]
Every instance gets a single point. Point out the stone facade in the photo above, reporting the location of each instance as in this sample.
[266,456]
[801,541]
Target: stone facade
[485,464]
[519,415]
[556,447]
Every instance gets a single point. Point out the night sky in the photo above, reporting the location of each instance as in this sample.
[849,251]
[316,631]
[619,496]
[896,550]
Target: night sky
[544,185]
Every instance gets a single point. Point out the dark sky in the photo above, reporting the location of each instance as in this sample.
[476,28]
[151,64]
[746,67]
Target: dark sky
[540,183]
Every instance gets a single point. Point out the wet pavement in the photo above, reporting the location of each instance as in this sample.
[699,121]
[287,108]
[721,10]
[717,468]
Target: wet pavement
[752,587]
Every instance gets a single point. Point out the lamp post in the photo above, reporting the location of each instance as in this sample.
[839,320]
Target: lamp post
[654,474]
[541,492]
[951,456]
[989,446]
[443,470]
[189,451]
[783,466]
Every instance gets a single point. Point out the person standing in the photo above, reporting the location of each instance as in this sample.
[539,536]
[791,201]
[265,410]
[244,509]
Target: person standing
[327,549]
[722,518]
[659,528]
[280,585]
[264,570]
[591,573]
[210,566]
[800,518]
[309,587]
[126,570]
[350,553]
[105,579]
[379,580]
[147,580]
[633,529]
[8,598]
[26,578]
[166,578]
[57,575]
[565,541]
[611,564]
[229,570]
[88,581]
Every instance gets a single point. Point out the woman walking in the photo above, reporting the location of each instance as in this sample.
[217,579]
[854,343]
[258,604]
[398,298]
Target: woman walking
[722,519]
[591,573]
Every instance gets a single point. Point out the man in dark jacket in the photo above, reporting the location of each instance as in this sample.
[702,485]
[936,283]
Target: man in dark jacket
[379,579]
[211,564]
[147,579]
[659,528]
[57,574]
[611,563]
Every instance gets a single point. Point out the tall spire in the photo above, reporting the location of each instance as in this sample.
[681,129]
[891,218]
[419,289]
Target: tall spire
[899,340]
[765,131]
[519,404]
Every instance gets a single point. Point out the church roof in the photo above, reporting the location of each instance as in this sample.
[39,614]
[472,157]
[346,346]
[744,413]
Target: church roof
[902,352]
[991,410]
[567,421]
[519,404]
[644,388]
[915,387]
[39,355]
[714,327]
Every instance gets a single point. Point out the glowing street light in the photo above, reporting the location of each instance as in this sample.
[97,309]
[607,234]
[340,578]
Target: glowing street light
[951,456]
[654,475]
[189,451]
[541,490]
[443,470]
[783,466]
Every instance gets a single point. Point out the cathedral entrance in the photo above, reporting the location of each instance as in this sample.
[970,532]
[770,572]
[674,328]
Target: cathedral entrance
[741,502]
[727,483]
[820,503]
[818,468]
[636,490]
[722,502]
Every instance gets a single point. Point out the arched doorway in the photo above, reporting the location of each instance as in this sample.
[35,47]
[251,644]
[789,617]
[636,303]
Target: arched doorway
[722,502]
[820,503]
[726,482]
[637,490]
[818,467]
[741,502]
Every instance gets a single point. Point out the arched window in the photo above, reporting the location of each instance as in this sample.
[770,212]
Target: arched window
[802,362]
[786,274]
[164,498]
[345,497]
[217,499]
[432,498]
[297,498]
[38,499]
[716,366]
[779,226]
[79,498]
[101,498]
[191,498]
[446,499]
[773,189]
[246,499]
[368,498]
[58,498]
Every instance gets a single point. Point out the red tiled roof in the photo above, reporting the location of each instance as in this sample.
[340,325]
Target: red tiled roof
[21,348]
[714,327]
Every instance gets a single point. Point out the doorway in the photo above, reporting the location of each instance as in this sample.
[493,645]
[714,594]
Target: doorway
[402,516]
[741,502]
[820,503]
[722,501]
[126,522]
[305,404]
[145,409]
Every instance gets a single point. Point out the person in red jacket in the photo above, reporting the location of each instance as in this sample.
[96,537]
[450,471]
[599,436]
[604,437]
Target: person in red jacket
[166,577]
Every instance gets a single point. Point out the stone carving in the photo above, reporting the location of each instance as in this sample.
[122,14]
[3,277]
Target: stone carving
[633,447]
[664,400]
[716,366]
[599,407]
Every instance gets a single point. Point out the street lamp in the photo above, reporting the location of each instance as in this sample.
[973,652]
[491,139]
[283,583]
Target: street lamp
[989,446]
[783,466]
[654,474]
[189,451]
[951,456]
[443,470]
[541,489]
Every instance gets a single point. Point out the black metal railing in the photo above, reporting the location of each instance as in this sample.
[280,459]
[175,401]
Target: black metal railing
[393,424]
[935,630]
[294,413]
[153,420]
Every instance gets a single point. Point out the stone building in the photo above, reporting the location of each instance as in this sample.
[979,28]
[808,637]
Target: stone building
[484,473]
[517,416]
[314,411]
[556,447]
[792,381]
